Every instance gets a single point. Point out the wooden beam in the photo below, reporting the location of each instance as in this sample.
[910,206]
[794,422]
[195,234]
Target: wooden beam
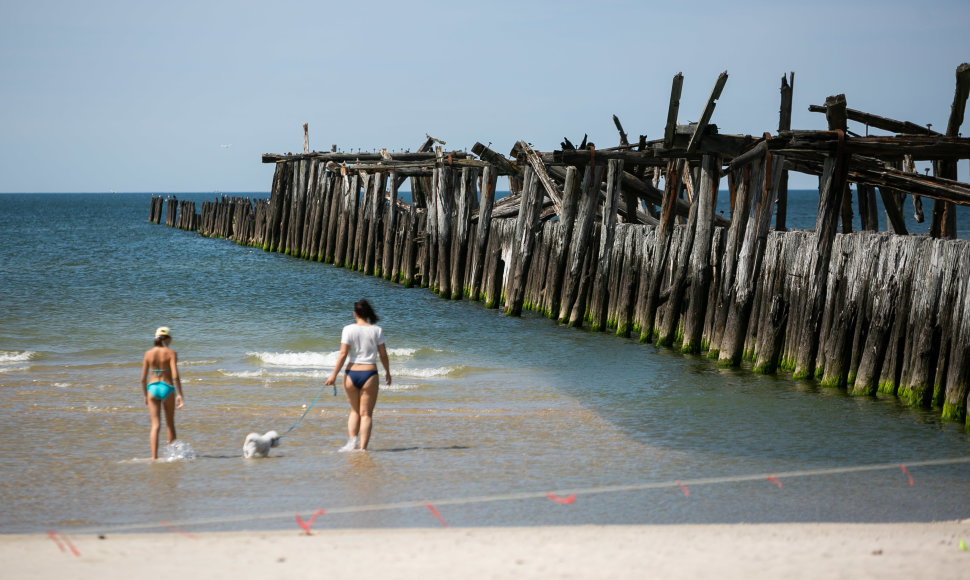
[672,109]
[552,189]
[883,123]
[695,139]
[619,127]
[504,166]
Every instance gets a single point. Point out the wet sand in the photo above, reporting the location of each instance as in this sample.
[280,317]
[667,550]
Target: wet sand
[911,550]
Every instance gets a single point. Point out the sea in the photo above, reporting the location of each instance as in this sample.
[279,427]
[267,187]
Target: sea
[490,420]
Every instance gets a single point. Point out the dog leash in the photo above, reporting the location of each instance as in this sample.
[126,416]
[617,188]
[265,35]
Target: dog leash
[300,420]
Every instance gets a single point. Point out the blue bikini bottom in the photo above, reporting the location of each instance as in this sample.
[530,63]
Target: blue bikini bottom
[360,378]
[160,390]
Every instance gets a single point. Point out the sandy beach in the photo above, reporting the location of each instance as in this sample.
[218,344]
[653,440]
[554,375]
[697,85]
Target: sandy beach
[911,550]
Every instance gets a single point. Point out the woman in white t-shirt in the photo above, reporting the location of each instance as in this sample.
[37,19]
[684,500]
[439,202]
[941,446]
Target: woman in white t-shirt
[361,344]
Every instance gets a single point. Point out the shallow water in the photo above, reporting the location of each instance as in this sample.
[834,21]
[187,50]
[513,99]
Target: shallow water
[487,414]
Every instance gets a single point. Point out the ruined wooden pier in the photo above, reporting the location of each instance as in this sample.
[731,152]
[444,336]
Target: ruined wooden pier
[625,239]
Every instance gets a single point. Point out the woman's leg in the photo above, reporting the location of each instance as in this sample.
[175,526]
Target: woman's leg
[155,411]
[169,405]
[368,399]
[353,397]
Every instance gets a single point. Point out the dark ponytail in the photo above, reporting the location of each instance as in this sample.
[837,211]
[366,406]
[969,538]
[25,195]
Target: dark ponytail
[363,309]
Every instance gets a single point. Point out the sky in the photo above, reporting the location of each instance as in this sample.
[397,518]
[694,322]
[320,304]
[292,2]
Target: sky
[169,97]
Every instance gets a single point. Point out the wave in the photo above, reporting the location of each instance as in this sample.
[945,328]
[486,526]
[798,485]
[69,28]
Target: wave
[412,352]
[267,373]
[296,359]
[12,369]
[425,373]
[15,356]
[196,363]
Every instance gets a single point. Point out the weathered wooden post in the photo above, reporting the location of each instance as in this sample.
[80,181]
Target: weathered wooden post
[665,230]
[667,334]
[334,218]
[523,242]
[459,246]
[489,180]
[390,229]
[944,213]
[578,246]
[955,401]
[740,211]
[784,124]
[765,179]
[375,212]
[832,185]
[355,258]
[557,266]
[614,174]
[444,208]
[700,260]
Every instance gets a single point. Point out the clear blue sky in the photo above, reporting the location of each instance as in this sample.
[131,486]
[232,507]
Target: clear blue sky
[180,96]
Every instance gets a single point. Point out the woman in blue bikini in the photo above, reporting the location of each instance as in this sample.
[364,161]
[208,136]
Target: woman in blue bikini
[161,363]
[361,344]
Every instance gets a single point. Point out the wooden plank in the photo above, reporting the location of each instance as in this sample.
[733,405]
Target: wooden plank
[623,138]
[503,165]
[552,189]
[673,107]
[698,136]
[884,123]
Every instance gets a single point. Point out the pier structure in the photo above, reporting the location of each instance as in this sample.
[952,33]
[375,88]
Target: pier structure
[626,239]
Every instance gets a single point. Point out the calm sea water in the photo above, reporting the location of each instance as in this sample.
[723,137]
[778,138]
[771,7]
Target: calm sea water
[486,415]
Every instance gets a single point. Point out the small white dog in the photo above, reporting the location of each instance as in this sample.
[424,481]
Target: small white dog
[257,445]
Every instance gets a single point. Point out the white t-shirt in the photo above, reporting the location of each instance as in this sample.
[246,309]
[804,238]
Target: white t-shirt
[363,341]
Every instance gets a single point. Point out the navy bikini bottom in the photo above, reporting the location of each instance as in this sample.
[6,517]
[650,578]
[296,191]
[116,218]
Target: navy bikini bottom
[360,378]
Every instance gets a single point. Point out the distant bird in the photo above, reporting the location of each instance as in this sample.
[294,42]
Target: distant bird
[226,146]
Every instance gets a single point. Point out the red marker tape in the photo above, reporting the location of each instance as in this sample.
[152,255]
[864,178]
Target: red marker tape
[57,537]
[683,488]
[775,481]
[435,513]
[563,500]
[174,529]
[906,473]
[306,525]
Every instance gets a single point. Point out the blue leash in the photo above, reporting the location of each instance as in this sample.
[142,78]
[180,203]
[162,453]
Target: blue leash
[300,420]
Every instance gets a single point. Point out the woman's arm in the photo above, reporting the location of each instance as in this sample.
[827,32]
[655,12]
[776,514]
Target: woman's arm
[344,350]
[144,377]
[177,380]
[387,365]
